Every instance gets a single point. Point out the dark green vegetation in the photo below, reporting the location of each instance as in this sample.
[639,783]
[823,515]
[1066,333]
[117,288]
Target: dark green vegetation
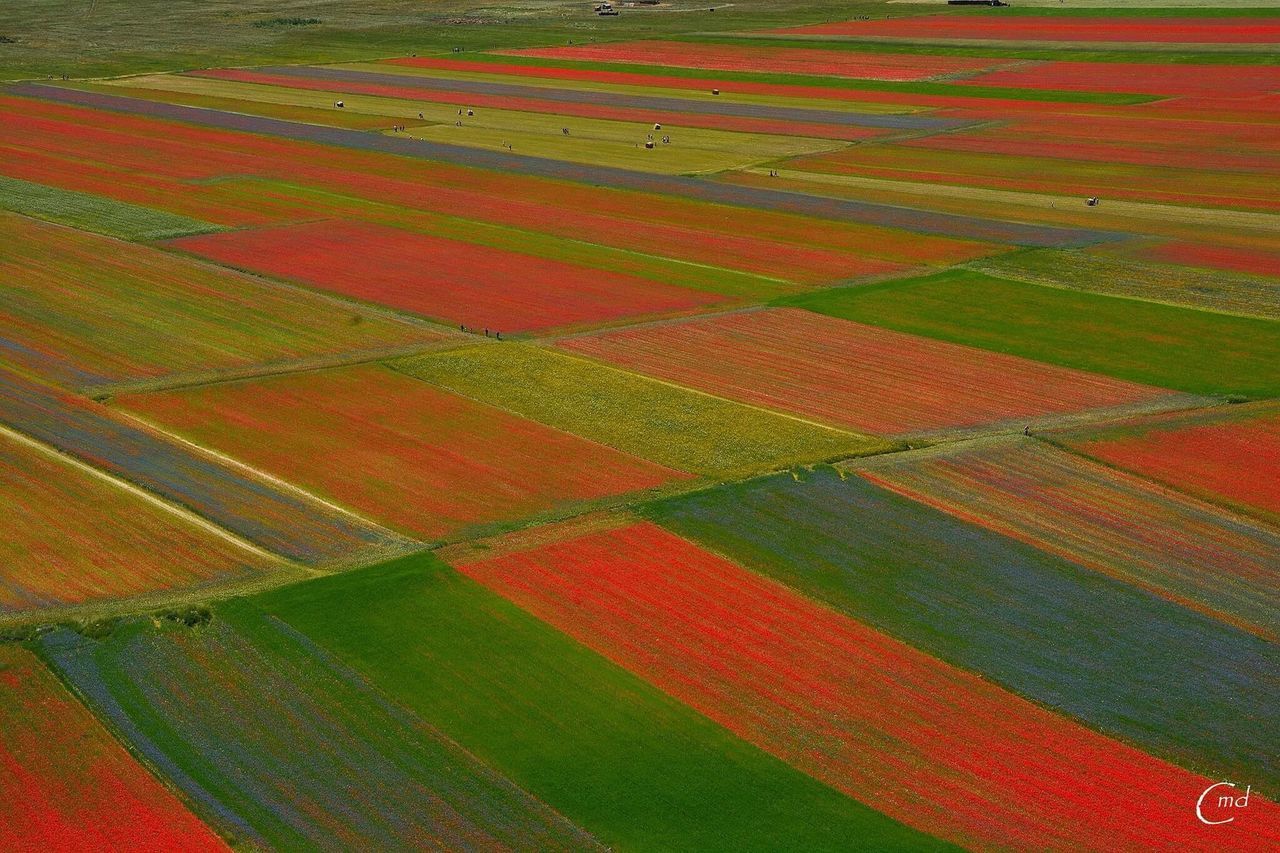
[96,213]
[1162,345]
[624,761]
[1177,684]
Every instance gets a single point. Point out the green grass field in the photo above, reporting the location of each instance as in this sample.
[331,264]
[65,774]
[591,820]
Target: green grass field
[674,426]
[624,761]
[96,213]
[1162,345]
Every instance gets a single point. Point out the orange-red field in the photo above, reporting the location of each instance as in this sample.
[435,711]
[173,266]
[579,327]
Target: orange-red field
[852,375]
[399,450]
[477,286]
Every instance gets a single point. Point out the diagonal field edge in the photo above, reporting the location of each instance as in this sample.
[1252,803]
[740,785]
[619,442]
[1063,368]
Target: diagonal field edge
[841,210]
[614,99]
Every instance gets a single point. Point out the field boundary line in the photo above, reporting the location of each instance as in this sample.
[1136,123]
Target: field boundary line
[275,481]
[266,370]
[181,512]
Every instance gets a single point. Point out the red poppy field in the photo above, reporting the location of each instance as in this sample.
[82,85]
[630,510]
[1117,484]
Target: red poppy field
[852,375]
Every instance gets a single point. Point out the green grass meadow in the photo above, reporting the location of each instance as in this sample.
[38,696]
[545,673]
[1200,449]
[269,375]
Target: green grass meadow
[1162,345]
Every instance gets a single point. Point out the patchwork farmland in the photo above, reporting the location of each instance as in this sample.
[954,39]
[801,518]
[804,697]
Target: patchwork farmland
[799,427]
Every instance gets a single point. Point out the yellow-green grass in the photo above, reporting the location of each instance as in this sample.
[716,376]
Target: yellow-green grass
[86,311]
[153,88]
[96,213]
[597,141]
[1118,275]
[1244,229]
[1162,345]
[727,95]
[655,420]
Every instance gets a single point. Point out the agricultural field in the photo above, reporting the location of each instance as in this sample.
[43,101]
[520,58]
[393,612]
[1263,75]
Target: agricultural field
[771,426]
[359,771]
[67,783]
[1222,454]
[993,605]
[693,624]
[1163,345]
[88,311]
[853,375]
[673,426]
[1153,537]
[73,536]
[419,459]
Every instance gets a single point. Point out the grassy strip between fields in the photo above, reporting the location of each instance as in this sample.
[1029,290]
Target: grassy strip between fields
[95,213]
[917,88]
[610,752]
[1155,344]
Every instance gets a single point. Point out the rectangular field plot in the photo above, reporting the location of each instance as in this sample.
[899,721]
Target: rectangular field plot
[94,213]
[624,761]
[1192,351]
[1120,275]
[479,286]
[269,514]
[1225,455]
[1174,79]
[66,784]
[394,448]
[598,134]
[854,376]
[1010,162]
[1025,28]
[766,59]
[1101,518]
[74,536]
[870,716]
[86,311]
[654,420]
[281,747]
[1127,663]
